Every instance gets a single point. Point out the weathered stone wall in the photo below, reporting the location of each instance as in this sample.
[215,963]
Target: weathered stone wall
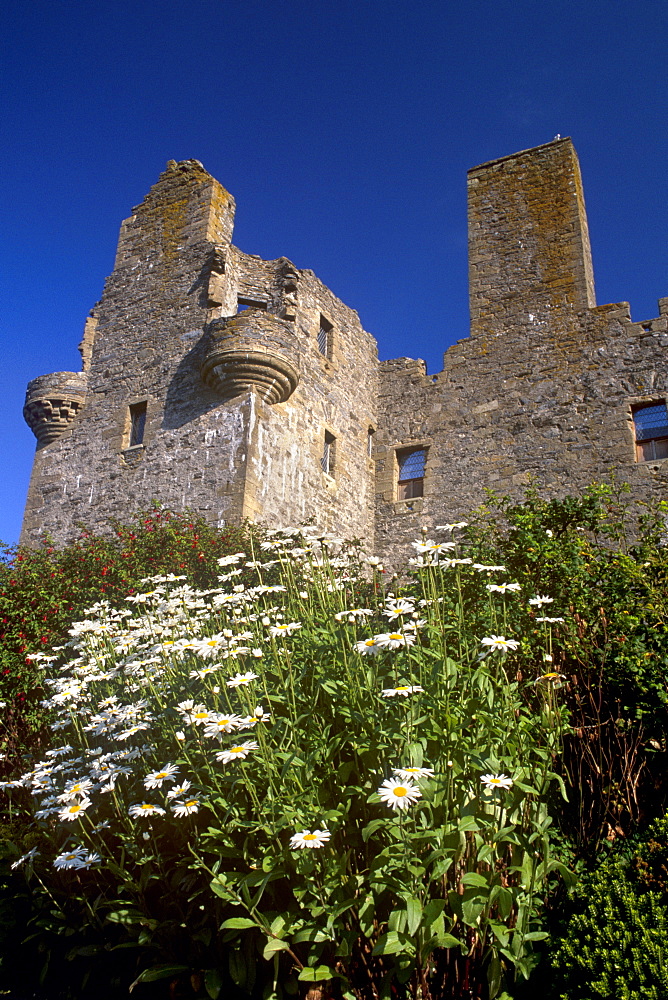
[173,293]
[223,348]
[544,386]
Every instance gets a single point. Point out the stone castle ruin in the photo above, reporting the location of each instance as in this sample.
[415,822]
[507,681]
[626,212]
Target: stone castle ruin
[244,388]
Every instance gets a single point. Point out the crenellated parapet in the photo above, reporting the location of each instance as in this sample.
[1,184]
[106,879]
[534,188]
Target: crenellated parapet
[253,350]
[52,402]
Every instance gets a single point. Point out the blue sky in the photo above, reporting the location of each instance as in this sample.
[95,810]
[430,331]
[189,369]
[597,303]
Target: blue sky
[343,129]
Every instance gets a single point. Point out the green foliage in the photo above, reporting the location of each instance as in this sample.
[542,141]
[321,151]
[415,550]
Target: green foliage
[42,591]
[432,882]
[446,897]
[612,647]
[615,944]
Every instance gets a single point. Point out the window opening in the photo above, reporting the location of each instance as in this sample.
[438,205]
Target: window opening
[325,337]
[651,427]
[327,458]
[369,442]
[244,303]
[411,473]
[137,423]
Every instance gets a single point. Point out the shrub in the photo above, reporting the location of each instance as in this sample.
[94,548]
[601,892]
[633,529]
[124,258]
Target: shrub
[42,591]
[607,574]
[615,943]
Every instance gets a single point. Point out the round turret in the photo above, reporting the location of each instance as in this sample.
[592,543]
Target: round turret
[52,403]
[252,350]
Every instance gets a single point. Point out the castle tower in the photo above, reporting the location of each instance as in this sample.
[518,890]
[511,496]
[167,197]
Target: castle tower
[529,255]
[212,380]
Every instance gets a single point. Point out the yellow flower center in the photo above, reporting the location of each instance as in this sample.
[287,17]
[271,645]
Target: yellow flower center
[236,749]
[190,802]
[402,687]
[310,836]
[400,791]
[146,805]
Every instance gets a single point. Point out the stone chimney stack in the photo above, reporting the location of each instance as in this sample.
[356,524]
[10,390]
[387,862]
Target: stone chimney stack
[529,255]
[187,206]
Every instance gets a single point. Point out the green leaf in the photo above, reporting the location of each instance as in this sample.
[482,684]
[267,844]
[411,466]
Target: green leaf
[317,974]
[371,828]
[393,943]
[446,941]
[213,982]
[272,946]
[414,912]
[474,879]
[237,924]
[471,910]
[158,972]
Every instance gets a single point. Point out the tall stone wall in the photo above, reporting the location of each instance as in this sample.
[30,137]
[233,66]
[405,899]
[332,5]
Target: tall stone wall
[544,387]
[264,397]
[211,340]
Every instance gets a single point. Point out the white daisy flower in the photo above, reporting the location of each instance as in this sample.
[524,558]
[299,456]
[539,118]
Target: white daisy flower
[539,600]
[430,547]
[503,588]
[309,838]
[145,809]
[367,647]
[24,857]
[286,628]
[186,807]
[231,560]
[178,790]
[496,781]
[451,527]
[221,724]
[414,773]
[75,788]
[352,614]
[394,640]
[156,778]
[402,691]
[240,679]
[399,794]
[74,810]
[91,858]
[499,643]
[394,609]
[236,753]
[71,859]
[551,620]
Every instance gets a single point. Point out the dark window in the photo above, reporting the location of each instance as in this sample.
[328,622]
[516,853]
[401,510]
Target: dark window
[651,426]
[327,458]
[411,473]
[325,337]
[137,423]
[369,442]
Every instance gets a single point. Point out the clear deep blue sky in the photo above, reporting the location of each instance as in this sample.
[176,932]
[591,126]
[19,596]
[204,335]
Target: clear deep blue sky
[343,129]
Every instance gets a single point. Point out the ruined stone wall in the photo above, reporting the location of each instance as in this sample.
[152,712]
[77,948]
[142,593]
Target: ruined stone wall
[213,445]
[255,375]
[544,386]
[554,410]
